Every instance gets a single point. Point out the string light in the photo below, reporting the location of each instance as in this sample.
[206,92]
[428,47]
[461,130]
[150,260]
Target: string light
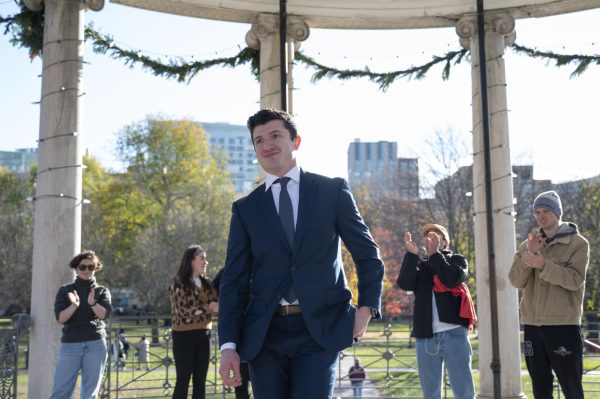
[74,134]
[58,41]
[495,147]
[64,62]
[59,196]
[49,169]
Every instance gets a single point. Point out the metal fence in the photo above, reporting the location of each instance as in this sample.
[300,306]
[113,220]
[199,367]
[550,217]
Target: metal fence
[9,355]
[387,353]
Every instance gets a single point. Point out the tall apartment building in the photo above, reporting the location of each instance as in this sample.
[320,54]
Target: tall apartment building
[19,161]
[234,141]
[376,164]
[407,177]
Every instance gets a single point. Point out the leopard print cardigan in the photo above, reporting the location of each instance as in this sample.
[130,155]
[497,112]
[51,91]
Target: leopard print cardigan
[189,309]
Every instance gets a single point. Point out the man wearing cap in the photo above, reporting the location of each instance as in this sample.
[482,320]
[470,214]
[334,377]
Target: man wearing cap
[443,312]
[550,269]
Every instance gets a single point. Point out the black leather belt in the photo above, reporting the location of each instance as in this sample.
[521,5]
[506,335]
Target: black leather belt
[288,310]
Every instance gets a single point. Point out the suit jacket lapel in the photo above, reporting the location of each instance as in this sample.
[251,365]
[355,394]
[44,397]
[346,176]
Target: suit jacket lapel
[267,206]
[308,189]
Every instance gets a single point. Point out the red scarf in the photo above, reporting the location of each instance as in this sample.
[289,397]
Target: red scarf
[467,308]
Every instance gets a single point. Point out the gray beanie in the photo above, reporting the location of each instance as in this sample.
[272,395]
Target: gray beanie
[549,200]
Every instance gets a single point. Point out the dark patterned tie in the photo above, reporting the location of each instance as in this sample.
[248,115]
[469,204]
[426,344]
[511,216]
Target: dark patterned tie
[286,216]
[286,212]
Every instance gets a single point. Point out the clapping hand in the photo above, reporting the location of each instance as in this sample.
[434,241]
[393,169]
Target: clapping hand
[432,243]
[74,298]
[409,243]
[534,242]
[91,297]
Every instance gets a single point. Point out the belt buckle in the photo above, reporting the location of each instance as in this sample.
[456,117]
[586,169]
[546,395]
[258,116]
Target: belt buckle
[286,310]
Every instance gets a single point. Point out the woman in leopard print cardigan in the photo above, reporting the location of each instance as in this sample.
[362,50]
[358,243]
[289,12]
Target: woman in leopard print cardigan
[193,301]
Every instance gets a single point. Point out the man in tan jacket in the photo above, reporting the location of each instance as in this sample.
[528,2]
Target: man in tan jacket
[550,268]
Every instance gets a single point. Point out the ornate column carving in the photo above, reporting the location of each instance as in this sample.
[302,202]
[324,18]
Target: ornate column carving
[499,23]
[264,36]
[499,31]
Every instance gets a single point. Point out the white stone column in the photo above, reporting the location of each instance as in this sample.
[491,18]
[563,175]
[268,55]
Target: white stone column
[58,198]
[264,36]
[499,32]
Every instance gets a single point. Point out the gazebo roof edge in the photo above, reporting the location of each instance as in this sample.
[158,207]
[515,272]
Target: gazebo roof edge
[373,18]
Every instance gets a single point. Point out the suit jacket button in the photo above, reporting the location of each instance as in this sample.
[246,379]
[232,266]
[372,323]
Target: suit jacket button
[293,268]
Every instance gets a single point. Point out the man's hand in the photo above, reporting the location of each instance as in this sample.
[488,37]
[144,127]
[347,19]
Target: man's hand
[534,260]
[432,243]
[534,242]
[230,364]
[361,321]
[410,244]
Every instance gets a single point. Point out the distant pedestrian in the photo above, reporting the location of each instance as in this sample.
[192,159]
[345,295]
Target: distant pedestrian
[143,349]
[357,377]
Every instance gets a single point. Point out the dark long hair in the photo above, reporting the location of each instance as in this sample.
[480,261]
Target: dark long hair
[185,267]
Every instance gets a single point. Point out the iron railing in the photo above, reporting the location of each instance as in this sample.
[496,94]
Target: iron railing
[387,353]
[9,355]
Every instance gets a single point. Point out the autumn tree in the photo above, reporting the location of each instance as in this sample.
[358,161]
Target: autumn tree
[16,241]
[172,193]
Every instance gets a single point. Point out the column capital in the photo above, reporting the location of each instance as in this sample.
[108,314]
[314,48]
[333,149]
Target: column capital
[38,5]
[266,25]
[94,5]
[501,23]
[34,5]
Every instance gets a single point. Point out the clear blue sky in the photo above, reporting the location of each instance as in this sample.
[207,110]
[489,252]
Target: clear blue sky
[553,118]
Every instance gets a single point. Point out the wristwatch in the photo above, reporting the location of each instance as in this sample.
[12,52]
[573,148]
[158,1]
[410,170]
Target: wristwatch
[374,313]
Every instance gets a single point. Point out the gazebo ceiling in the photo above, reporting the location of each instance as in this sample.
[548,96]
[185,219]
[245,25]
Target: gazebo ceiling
[361,14]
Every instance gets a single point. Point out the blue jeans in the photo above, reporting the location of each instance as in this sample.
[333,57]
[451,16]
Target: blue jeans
[453,348]
[90,358]
[357,389]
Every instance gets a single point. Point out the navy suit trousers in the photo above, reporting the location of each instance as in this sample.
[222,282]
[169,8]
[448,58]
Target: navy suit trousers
[291,364]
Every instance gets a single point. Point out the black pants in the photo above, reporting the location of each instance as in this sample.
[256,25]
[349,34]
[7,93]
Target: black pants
[242,392]
[558,348]
[191,350]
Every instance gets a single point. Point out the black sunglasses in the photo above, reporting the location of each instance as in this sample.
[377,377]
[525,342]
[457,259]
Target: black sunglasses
[90,268]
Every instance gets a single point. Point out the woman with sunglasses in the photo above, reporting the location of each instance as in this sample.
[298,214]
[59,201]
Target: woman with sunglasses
[193,302]
[81,307]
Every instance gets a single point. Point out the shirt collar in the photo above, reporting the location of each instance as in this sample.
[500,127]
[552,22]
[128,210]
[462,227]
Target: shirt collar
[293,174]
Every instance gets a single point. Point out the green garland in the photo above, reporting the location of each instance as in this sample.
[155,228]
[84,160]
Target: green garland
[383,79]
[179,69]
[582,61]
[26,29]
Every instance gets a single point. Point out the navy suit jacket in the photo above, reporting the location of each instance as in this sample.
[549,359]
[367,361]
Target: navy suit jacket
[260,263]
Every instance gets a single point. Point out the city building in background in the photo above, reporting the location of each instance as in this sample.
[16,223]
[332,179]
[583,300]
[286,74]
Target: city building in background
[376,164]
[407,178]
[19,161]
[234,141]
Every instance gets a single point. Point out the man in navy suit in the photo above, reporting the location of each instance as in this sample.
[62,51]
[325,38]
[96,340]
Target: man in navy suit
[284,302]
